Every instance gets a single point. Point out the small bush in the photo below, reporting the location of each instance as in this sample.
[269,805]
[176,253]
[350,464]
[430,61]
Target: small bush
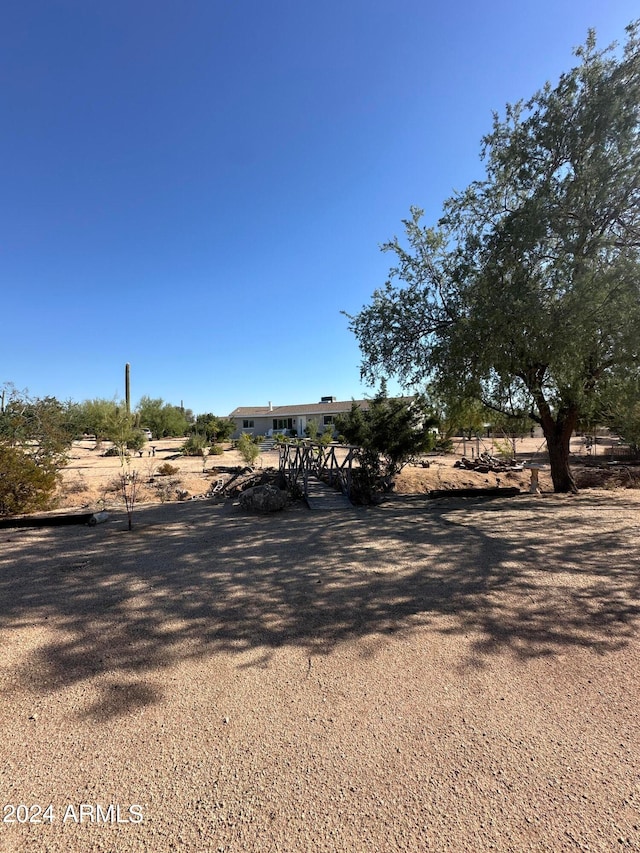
[137,440]
[194,445]
[24,485]
[166,489]
[444,445]
[111,451]
[216,450]
[167,469]
[248,450]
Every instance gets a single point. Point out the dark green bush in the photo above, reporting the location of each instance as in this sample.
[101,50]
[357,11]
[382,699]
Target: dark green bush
[24,485]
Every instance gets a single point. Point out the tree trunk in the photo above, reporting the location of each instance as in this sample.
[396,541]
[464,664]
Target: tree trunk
[558,447]
[557,432]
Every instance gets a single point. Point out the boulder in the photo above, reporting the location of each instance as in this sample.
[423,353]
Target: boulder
[263,499]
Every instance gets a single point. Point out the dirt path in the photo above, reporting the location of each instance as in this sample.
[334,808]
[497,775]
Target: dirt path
[447,676]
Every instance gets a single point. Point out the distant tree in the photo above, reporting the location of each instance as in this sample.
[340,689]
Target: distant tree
[620,411]
[94,417]
[214,428]
[162,418]
[464,417]
[527,298]
[121,430]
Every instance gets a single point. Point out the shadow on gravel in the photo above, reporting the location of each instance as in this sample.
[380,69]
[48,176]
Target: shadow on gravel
[529,577]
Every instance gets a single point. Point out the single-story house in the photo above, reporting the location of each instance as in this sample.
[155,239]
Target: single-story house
[291,420]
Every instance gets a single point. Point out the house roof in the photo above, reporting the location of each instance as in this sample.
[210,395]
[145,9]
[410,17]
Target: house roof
[328,408]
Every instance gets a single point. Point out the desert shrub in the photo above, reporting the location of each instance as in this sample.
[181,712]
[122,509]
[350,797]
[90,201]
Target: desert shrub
[194,445]
[167,469]
[311,429]
[216,450]
[248,450]
[166,489]
[111,451]
[25,486]
[327,436]
[444,445]
[137,440]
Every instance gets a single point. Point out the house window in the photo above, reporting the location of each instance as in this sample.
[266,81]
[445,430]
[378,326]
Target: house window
[282,423]
[328,420]
[247,424]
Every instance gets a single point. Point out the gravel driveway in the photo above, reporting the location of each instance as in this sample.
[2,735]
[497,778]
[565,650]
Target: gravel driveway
[427,675]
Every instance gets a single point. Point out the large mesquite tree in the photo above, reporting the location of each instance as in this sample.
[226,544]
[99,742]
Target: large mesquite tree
[527,294]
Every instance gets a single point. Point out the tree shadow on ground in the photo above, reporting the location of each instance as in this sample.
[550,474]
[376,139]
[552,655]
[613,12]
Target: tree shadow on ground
[528,578]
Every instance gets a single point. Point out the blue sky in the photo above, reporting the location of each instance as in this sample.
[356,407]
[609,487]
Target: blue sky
[199,188]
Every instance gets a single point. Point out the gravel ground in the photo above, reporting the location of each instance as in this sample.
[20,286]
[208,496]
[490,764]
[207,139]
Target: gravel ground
[455,675]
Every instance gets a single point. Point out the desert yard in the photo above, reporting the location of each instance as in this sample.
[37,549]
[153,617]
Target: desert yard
[448,675]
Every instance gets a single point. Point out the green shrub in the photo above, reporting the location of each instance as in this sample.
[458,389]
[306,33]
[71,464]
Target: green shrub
[444,445]
[216,450]
[24,485]
[327,436]
[311,430]
[248,450]
[136,441]
[194,445]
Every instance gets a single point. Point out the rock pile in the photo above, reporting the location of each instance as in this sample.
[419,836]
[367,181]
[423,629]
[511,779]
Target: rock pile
[263,499]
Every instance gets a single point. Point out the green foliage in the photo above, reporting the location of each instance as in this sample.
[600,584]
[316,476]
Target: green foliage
[95,417]
[389,434]
[527,296]
[620,411]
[327,435]
[311,430]
[162,418]
[38,425]
[463,416]
[137,440]
[35,436]
[120,430]
[216,450]
[195,445]
[25,485]
[248,449]
[215,429]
